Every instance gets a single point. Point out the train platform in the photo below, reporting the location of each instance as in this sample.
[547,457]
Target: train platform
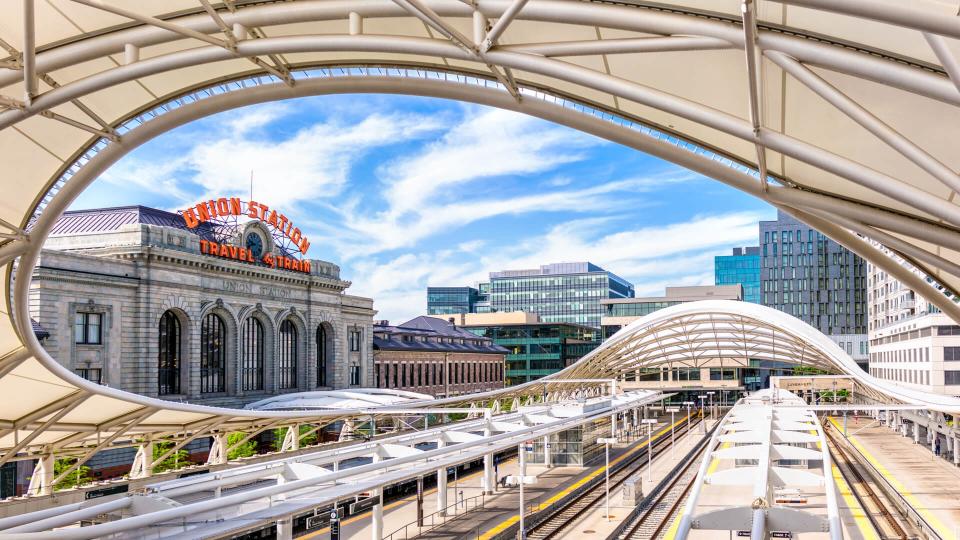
[595,526]
[930,484]
[480,517]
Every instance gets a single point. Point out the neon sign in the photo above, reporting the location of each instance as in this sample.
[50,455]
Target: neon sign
[243,254]
[233,206]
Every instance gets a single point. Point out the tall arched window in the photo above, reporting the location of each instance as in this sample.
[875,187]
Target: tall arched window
[287,354]
[321,356]
[251,355]
[213,354]
[168,375]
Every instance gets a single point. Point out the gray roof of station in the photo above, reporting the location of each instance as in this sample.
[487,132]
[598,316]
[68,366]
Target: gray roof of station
[390,338]
[98,220]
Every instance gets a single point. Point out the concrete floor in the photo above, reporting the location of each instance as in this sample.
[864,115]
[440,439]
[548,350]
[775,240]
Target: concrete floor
[930,484]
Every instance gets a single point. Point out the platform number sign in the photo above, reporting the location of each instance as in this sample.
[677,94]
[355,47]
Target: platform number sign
[334,525]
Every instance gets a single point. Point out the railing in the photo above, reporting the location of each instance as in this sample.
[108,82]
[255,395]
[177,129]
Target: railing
[443,515]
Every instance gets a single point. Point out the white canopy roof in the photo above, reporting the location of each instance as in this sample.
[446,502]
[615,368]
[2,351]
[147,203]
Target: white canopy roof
[846,108]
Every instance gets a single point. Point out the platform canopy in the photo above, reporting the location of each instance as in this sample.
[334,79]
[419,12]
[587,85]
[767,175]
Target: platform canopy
[844,114]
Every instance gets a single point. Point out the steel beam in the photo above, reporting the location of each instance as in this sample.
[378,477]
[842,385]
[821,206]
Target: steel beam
[29,51]
[947,60]
[502,23]
[153,21]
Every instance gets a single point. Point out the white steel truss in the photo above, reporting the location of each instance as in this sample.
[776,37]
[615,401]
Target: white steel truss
[243,498]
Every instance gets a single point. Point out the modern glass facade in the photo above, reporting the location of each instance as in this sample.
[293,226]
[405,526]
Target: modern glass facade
[447,300]
[811,277]
[743,268]
[559,293]
[637,309]
[538,349]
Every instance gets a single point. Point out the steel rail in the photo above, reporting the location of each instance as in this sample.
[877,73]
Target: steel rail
[886,524]
[552,521]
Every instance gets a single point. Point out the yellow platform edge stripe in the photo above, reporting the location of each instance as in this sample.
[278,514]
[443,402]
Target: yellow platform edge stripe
[502,526]
[933,520]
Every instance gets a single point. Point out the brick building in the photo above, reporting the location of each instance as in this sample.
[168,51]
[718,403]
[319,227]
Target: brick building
[433,356]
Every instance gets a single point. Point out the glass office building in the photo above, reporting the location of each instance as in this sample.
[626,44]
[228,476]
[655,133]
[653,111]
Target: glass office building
[448,300]
[538,349]
[743,268]
[559,293]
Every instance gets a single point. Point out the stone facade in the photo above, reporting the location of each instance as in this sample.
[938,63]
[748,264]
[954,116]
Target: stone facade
[438,374]
[133,274]
[432,356]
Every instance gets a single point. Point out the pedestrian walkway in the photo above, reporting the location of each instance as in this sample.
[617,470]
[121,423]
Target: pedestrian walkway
[929,483]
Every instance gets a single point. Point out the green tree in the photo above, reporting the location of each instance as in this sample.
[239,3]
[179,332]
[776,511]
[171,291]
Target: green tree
[76,478]
[174,461]
[305,440]
[246,449]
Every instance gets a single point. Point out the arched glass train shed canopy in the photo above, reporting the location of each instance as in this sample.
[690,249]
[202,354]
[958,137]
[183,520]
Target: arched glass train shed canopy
[842,113]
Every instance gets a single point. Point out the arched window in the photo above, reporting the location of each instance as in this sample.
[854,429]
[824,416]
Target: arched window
[213,354]
[168,376]
[251,355]
[321,356]
[287,357]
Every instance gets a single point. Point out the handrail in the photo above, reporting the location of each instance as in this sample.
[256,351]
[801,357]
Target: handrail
[444,515]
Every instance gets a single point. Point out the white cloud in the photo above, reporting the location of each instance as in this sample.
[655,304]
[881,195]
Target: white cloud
[155,176]
[650,257]
[486,144]
[313,164]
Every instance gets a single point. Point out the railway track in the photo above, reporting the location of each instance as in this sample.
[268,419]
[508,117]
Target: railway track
[653,516]
[566,512]
[879,510]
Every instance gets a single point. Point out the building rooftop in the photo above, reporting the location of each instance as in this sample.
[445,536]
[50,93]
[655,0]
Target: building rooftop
[552,269]
[686,294]
[100,220]
[409,337]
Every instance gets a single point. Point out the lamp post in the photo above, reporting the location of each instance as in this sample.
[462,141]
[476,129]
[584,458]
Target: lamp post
[649,422]
[710,397]
[523,477]
[703,419]
[688,405]
[673,439]
[607,441]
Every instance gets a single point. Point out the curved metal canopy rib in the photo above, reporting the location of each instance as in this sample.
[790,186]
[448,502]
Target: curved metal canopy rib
[844,114]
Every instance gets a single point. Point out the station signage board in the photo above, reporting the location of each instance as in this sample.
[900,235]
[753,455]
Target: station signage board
[233,206]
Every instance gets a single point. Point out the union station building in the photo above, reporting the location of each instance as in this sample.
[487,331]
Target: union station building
[206,309]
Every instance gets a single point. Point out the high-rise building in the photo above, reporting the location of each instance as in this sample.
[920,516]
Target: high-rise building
[911,342]
[446,300]
[560,292]
[535,348]
[743,268]
[815,279]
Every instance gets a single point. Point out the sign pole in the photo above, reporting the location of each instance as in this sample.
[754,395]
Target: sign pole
[334,523]
[523,474]
[607,441]
[607,469]
[420,501]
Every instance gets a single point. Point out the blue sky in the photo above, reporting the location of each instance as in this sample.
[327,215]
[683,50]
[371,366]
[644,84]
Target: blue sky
[405,192]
